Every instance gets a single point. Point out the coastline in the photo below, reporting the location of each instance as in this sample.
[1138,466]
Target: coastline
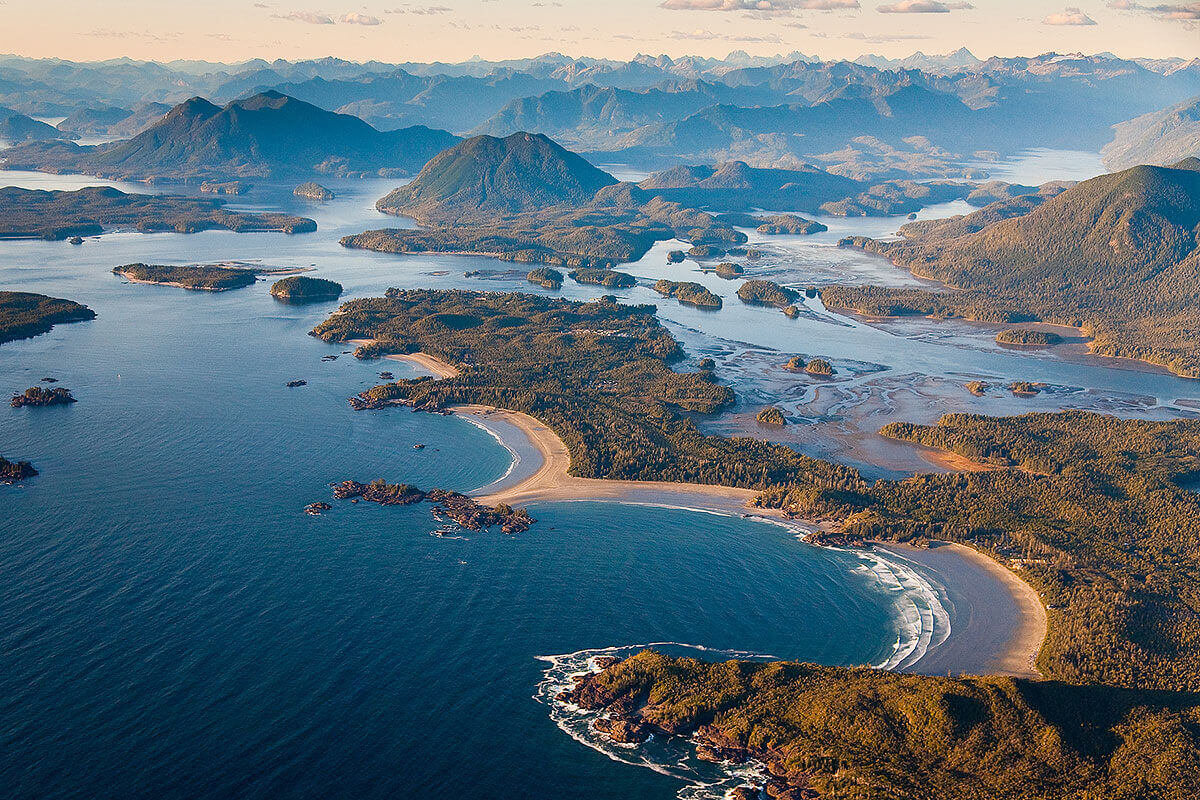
[982,641]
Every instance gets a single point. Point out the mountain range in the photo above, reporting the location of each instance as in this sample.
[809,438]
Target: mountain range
[768,111]
[269,135]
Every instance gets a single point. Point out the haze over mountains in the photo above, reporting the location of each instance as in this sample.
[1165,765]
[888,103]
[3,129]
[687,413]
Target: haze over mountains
[267,135]
[916,117]
[1161,137]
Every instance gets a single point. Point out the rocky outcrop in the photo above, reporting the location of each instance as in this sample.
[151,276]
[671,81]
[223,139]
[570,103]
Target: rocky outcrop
[40,396]
[313,191]
[452,505]
[13,471]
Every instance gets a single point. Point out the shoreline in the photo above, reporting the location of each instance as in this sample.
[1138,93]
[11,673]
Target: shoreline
[979,642]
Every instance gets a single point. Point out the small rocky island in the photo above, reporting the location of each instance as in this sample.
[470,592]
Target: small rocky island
[41,396]
[301,289]
[790,224]
[545,277]
[1027,337]
[689,293]
[313,191]
[458,507]
[14,471]
[24,315]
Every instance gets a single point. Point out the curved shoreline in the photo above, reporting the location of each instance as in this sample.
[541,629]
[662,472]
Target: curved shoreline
[979,642]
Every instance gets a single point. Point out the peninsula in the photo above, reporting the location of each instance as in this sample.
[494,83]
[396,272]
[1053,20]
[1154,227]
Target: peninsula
[24,315]
[54,215]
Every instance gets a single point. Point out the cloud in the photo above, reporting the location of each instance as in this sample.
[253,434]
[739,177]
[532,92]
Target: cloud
[420,10]
[315,18]
[355,18]
[1187,12]
[881,38]
[306,16]
[762,7]
[1069,16]
[923,7]
[706,36]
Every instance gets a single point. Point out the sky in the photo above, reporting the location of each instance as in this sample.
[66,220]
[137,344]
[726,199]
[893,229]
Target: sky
[455,30]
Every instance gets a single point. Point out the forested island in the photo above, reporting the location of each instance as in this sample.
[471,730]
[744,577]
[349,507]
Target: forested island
[195,277]
[608,278]
[1027,337]
[771,416]
[767,293]
[24,315]
[790,224]
[688,292]
[54,215]
[313,191]
[1116,255]
[303,289]
[545,277]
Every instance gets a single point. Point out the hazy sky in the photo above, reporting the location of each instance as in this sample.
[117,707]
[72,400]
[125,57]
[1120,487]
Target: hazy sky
[391,30]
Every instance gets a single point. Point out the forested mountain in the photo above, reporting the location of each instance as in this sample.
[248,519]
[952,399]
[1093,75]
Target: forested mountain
[1163,137]
[1118,254]
[15,127]
[267,135]
[485,176]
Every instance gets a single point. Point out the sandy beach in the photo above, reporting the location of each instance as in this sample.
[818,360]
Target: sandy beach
[1000,622]
[434,366]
